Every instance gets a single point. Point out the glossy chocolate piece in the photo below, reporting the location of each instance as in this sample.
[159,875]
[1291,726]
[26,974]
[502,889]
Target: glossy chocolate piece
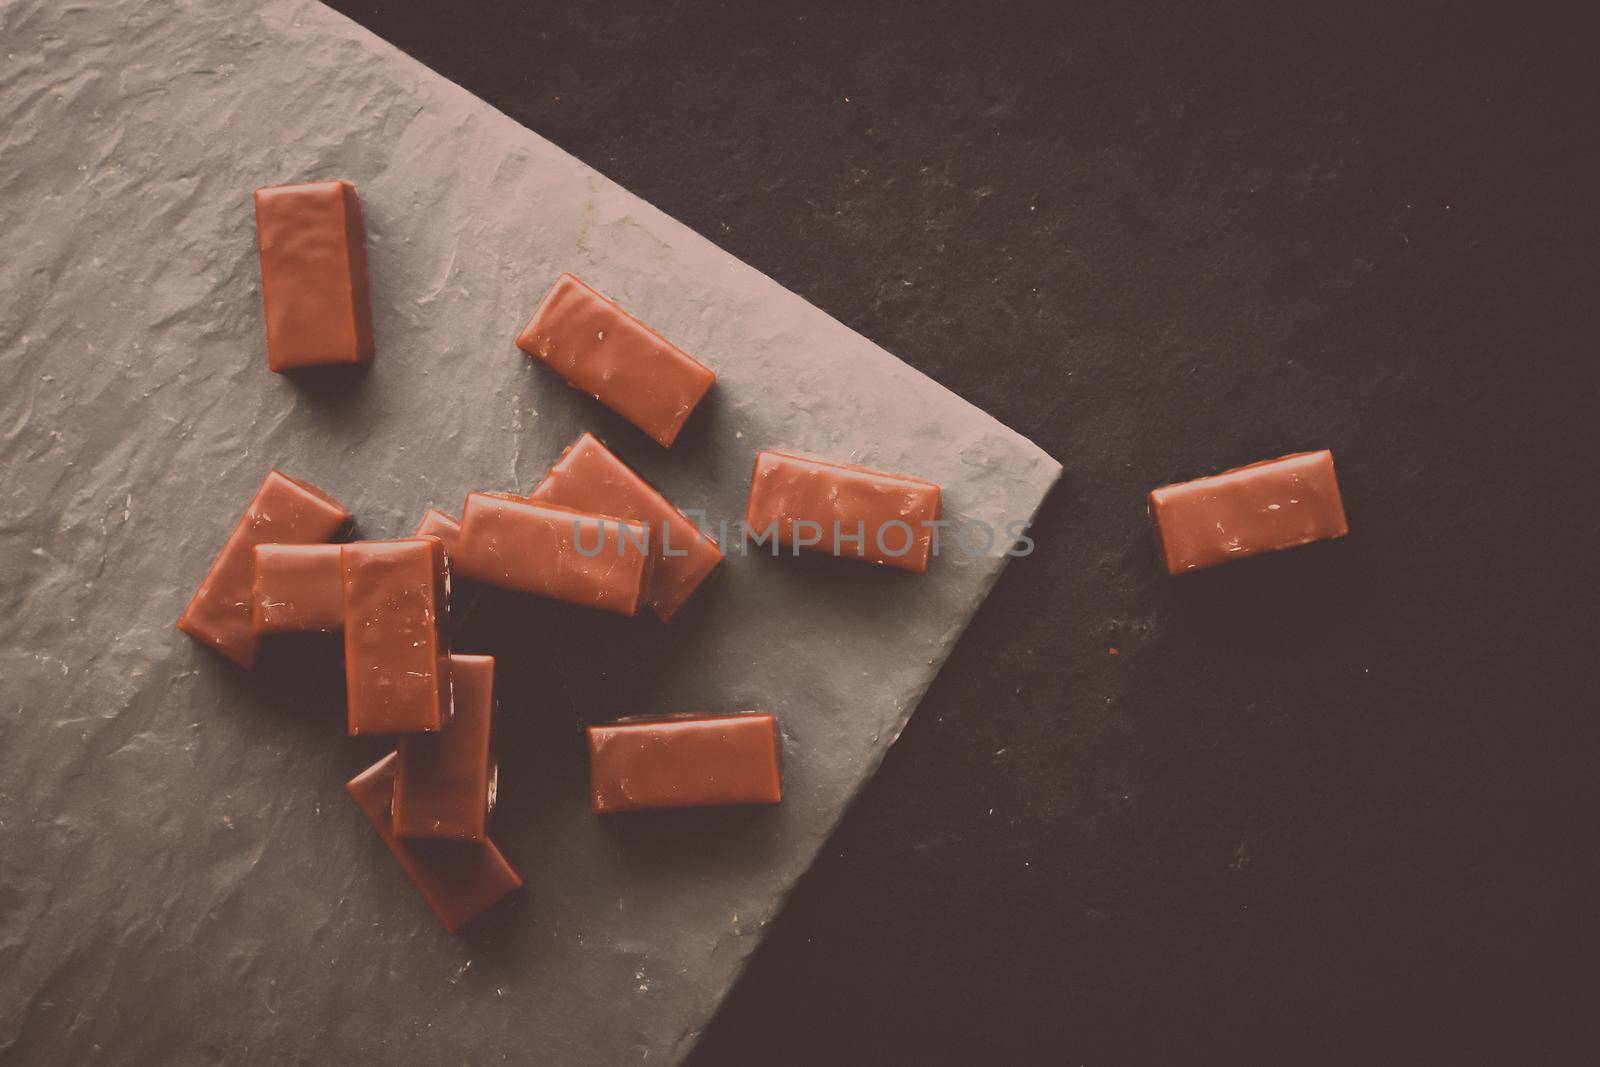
[284,511]
[534,548]
[440,524]
[891,513]
[396,635]
[1278,503]
[443,783]
[313,275]
[460,880]
[684,762]
[297,588]
[436,523]
[606,352]
[589,477]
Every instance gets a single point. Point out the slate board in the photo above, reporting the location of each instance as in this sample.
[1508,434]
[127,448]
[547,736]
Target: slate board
[184,879]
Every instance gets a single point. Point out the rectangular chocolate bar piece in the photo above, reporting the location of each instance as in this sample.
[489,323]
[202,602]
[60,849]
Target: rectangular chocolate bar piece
[843,509]
[444,782]
[436,523]
[460,880]
[552,551]
[297,588]
[284,511]
[601,349]
[440,524]
[396,636]
[589,477]
[1278,503]
[684,762]
[313,275]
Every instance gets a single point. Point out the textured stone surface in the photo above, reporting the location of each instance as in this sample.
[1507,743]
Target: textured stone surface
[184,879]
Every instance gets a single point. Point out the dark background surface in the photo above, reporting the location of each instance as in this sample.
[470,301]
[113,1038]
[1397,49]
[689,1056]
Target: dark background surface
[1334,804]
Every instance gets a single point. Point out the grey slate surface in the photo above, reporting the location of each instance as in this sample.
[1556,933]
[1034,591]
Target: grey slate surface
[181,876]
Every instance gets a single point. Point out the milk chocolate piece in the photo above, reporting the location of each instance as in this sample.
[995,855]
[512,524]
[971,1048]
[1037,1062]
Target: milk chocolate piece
[436,523]
[297,588]
[444,782]
[1278,503]
[684,762]
[440,524]
[313,275]
[843,509]
[588,477]
[396,635]
[552,551]
[460,880]
[615,358]
[284,511]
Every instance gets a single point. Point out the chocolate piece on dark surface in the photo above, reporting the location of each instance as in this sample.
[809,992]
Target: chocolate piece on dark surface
[589,477]
[443,784]
[297,588]
[1263,507]
[313,275]
[284,511]
[460,880]
[684,762]
[436,523]
[396,635]
[606,352]
[844,510]
[556,552]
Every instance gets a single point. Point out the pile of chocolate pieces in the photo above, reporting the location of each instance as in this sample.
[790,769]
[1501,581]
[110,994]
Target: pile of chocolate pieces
[592,533]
